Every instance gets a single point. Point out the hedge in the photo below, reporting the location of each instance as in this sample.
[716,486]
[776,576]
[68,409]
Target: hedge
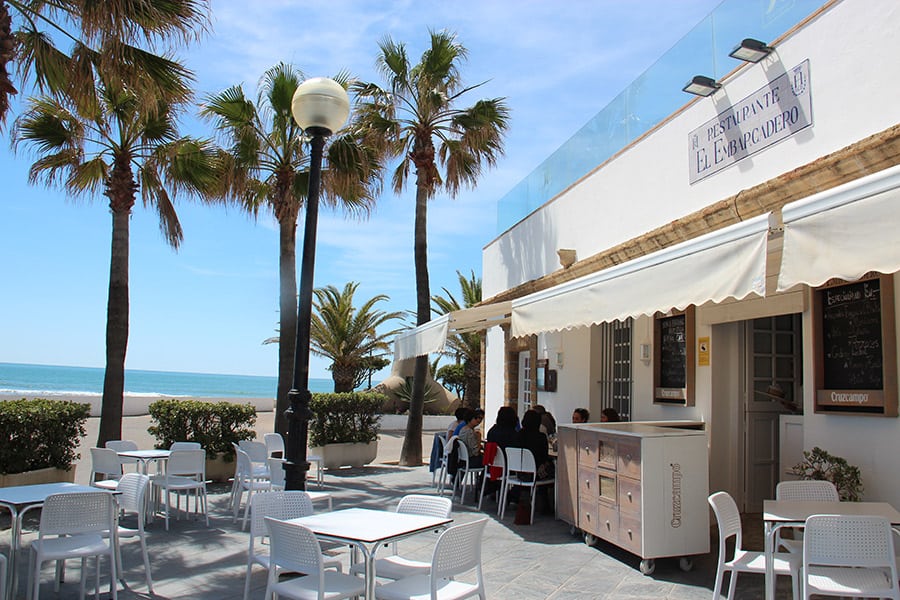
[214,425]
[345,417]
[38,434]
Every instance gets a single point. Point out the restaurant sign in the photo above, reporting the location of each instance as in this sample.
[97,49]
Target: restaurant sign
[769,115]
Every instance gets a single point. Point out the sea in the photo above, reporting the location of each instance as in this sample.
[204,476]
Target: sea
[53,380]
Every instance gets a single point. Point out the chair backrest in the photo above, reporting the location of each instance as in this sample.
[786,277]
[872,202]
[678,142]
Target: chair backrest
[295,548]
[185,446]
[274,443]
[421,504]
[244,466]
[77,512]
[187,462]
[448,445]
[728,519]
[121,445]
[462,455]
[807,489]
[106,462]
[520,460]
[849,541]
[276,471]
[255,450]
[457,551]
[132,491]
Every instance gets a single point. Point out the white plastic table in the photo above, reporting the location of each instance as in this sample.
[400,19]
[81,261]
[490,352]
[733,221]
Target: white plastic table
[19,499]
[146,456]
[784,513]
[367,529]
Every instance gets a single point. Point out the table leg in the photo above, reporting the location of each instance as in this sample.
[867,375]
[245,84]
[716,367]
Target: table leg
[15,529]
[369,556]
[770,560]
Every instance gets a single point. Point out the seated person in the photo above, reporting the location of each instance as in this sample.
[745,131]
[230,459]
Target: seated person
[504,432]
[548,423]
[469,436]
[533,439]
[455,426]
[580,415]
[609,415]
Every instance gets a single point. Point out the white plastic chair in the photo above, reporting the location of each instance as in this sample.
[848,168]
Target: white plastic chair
[2,577]
[185,446]
[72,526]
[274,444]
[320,467]
[257,451]
[499,462]
[247,481]
[123,446]
[396,566]
[278,505]
[798,491]
[457,552]
[521,471]
[464,473]
[132,498]
[445,457]
[743,561]
[185,473]
[294,548]
[276,473]
[849,556]
[105,461]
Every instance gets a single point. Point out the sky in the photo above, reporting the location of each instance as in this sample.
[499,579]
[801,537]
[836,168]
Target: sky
[208,307]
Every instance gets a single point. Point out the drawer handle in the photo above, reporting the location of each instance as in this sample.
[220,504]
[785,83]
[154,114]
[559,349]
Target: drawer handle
[608,526]
[629,495]
[587,517]
[587,483]
[630,536]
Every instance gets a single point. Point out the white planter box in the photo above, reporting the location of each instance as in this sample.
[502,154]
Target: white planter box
[335,456]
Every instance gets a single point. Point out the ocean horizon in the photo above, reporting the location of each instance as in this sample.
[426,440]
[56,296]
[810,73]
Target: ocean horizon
[57,380]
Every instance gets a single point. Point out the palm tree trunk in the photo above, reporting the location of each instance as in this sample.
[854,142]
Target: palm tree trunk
[344,376]
[473,382]
[116,331]
[7,52]
[411,453]
[287,340]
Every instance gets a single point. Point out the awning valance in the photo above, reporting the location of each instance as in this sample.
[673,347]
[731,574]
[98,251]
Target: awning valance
[843,232]
[430,337]
[728,263]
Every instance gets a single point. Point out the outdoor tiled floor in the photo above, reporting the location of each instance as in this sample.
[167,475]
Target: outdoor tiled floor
[521,562]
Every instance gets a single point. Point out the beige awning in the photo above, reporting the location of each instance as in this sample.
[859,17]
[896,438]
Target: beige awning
[728,263]
[431,336]
[843,232]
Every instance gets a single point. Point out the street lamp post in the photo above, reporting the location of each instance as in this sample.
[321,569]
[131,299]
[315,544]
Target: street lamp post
[320,107]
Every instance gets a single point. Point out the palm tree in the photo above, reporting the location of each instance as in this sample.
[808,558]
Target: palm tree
[109,143]
[465,346]
[266,166]
[347,335]
[416,118]
[113,25]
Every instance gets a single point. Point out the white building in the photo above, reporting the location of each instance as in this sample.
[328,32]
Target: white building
[798,151]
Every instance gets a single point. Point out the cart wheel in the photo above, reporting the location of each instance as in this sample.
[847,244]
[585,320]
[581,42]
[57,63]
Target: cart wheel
[648,565]
[590,539]
[685,563]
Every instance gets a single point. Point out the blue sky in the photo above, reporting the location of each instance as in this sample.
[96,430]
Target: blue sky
[208,307]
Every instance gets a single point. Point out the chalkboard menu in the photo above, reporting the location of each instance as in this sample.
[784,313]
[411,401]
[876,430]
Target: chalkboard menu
[674,358]
[855,347]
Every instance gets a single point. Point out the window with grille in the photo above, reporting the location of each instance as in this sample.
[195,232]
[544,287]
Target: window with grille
[615,367]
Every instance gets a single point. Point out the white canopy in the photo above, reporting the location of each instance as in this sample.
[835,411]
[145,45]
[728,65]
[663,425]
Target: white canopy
[430,337]
[728,263]
[843,232]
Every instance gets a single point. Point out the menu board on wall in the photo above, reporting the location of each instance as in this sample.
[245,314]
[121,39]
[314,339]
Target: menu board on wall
[856,366]
[673,365]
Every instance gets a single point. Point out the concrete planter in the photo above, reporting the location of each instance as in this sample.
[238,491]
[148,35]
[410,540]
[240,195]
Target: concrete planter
[48,475]
[218,469]
[335,456]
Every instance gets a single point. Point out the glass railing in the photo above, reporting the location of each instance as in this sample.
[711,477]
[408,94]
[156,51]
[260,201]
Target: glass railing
[652,97]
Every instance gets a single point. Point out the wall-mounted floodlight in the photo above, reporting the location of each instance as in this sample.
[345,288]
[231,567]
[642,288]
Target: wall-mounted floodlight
[751,50]
[701,85]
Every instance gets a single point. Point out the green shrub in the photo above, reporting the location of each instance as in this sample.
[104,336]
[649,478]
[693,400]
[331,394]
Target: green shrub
[214,425]
[345,417]
[37,434]
[818,464]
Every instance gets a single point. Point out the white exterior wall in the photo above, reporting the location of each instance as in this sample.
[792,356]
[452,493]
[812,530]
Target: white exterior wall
[852,49]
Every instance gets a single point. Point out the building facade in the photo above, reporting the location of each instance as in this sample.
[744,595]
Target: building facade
[734,264]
